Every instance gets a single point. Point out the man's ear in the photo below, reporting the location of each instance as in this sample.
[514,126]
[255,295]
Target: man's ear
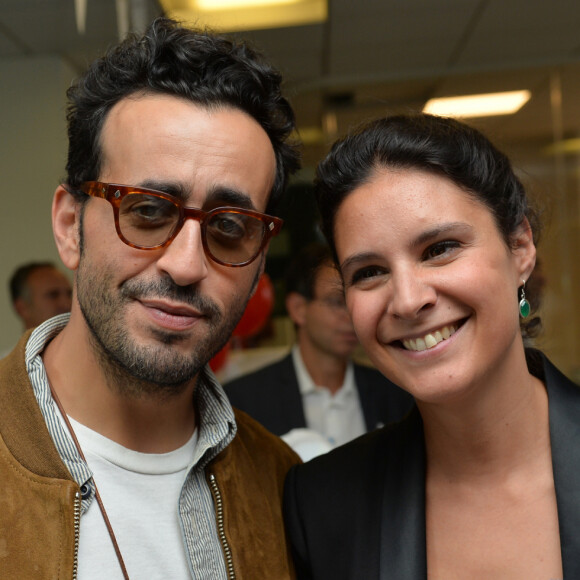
[66,214]
[524,250]
[21,307]
[296,306]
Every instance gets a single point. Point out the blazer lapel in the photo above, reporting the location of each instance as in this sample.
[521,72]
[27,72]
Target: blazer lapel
[368,405]
[290,397]
[403,536]
[564,410]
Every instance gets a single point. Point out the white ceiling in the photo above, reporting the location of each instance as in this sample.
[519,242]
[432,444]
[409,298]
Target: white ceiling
[372,56]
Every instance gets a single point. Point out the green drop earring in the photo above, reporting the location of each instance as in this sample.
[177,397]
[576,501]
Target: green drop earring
[524,304]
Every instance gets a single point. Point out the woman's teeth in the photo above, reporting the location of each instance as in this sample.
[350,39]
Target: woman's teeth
[429,340]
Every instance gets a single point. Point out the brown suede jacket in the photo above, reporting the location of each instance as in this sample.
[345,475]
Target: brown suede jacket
[40,502]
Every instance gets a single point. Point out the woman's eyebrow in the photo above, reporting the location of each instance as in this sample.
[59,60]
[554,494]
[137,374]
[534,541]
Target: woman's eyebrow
[441,230]
[434,233]
[360,258]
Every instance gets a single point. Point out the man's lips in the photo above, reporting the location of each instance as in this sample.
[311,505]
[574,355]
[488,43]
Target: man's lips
[174,316]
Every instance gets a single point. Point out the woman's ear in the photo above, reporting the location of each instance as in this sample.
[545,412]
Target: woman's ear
[524,250]
[296,307]
[66,214]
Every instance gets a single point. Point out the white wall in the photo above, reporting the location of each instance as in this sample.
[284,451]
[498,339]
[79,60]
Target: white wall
[32,161]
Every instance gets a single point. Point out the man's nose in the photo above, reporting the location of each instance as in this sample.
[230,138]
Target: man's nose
[185,259]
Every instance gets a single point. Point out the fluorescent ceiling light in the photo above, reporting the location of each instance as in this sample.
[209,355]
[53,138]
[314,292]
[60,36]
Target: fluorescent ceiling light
[484,105]
[211,5]
[564,147]
[235,15]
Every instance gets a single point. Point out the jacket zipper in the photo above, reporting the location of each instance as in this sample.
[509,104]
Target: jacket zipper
[221,528]
[77,523]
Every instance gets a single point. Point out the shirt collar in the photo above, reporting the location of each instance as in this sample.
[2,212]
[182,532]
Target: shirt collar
[217,425]
[42,335]
[217,422]
[307,385]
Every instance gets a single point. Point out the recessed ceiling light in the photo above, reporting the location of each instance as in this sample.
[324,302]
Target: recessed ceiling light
[235,15]
[211,5]
[483,105]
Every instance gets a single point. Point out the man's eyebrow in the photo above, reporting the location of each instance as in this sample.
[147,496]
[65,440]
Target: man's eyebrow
[231,197]
[174,189]
[220,194]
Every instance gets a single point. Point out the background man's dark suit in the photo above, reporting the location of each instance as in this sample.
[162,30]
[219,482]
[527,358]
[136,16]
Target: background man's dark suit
[271,396]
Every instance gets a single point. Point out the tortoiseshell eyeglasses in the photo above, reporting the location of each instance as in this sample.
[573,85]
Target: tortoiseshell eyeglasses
[148,219]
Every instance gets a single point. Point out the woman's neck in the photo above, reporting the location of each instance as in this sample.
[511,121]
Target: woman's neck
[500,430]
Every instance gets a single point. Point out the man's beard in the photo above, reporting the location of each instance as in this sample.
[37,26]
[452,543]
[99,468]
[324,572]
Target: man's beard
[159,368]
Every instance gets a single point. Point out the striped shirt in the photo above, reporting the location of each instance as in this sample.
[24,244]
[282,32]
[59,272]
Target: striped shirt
[216,430]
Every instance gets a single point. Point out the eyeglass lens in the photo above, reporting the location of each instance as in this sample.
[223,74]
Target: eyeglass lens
[148,221]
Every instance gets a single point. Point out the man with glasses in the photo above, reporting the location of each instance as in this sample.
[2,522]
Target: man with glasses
[120,455]
[317,386]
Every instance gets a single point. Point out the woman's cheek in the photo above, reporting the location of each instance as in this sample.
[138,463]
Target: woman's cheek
[365,318]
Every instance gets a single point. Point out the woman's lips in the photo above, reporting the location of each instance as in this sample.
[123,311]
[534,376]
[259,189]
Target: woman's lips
[430,339]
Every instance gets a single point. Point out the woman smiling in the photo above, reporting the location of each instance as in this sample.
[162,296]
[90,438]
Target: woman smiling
[436,244]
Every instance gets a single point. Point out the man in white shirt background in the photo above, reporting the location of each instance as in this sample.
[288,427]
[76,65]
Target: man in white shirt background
[318,386]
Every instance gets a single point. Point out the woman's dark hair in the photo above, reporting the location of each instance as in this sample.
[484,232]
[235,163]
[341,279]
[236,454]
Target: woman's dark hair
[440,145]
[204,68]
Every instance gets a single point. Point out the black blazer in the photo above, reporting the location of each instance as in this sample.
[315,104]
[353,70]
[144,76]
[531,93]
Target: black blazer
[359,511]
[271,396]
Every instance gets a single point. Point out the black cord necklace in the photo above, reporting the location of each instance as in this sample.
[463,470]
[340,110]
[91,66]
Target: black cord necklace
[97,494]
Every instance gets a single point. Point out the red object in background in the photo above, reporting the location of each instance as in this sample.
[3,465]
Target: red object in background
[254,319]
[220,359]
[258,310]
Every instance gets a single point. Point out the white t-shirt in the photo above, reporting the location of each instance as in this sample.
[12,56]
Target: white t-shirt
[140,492]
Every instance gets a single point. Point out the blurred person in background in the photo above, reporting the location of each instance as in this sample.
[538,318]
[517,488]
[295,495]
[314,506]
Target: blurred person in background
[318,386]
[39,291]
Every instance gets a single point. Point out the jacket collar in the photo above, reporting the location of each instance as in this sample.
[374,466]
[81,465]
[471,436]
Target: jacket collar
[564,412]
[403,536]
[22,425]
